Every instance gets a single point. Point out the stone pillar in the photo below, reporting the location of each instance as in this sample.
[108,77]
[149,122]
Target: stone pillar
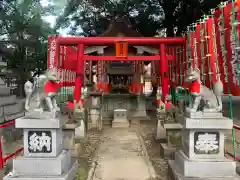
[44,157]
[141,109]
[202,156]
[95,113]
[161,132]
[120,118]
[173,133]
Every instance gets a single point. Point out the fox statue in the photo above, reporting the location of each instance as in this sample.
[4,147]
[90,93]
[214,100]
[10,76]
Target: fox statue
[212,100]
[49,94]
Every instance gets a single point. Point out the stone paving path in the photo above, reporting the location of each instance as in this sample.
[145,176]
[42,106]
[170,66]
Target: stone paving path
[121,156]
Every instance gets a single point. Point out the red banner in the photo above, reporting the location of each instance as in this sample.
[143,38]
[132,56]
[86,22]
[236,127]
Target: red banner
[177,59]
[212,57]
[52,63]
[230,47]
[220,41]
[198,46]
[191,40]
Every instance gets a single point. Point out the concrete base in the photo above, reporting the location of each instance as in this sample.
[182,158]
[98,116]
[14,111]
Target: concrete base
[38,166]
[70,175]
[120,124]
[167,151]
[203,168]
[39,120]
[174,174]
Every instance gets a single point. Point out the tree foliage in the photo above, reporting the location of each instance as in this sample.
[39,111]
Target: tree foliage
[148,16]
[24,34]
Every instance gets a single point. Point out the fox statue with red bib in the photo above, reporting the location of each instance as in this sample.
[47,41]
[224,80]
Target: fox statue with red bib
[212,99]
[49,94]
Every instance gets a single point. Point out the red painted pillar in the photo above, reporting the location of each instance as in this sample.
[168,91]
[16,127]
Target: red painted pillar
[79,73]
[164,71]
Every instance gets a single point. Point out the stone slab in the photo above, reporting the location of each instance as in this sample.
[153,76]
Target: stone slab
[120,124]
[167,151]
[43,122]
[174,174]
[173,126]
[70,175]
[223,123]
[38,166]
[56,145]
[5,100]
[200,115]
[203,168]
[4,90]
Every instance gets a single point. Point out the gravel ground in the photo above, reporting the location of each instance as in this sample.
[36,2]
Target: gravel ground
[153,149]
[89,148]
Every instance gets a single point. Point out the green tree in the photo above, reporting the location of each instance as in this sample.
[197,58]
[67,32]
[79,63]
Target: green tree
[25,34]
[148,16]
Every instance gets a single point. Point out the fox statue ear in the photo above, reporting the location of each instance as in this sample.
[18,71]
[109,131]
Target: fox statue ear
[197,70]
[218,77]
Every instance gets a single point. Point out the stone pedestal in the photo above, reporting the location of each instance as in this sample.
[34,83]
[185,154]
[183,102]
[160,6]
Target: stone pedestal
[44,157]
[80,131]
[120,118]
[141,109]
[202,156]
[173,132]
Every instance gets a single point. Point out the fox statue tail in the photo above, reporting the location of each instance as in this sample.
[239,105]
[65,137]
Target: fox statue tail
[218,91]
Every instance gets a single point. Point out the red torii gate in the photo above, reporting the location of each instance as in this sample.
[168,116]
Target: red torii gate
[123,56]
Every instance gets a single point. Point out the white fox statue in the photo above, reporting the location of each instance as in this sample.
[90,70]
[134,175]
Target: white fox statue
[48,95]
[212,99]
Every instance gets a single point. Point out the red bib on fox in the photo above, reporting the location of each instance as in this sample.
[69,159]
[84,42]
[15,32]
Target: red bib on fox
[195,87]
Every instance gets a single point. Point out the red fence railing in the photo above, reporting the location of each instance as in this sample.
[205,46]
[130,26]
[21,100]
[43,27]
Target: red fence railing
[5,158]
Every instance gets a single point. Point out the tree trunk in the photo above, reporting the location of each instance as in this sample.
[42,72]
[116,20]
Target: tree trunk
[170,31]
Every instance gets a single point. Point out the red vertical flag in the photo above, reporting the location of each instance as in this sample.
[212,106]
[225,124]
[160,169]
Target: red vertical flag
[231,50]
[212,60]
[198,44]
[191,40]
[220,41]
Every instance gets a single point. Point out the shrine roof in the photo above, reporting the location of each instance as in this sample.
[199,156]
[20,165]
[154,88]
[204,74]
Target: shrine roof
[120,25]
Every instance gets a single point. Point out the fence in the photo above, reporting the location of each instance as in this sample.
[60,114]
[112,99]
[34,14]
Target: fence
[12,81]
[4,157]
